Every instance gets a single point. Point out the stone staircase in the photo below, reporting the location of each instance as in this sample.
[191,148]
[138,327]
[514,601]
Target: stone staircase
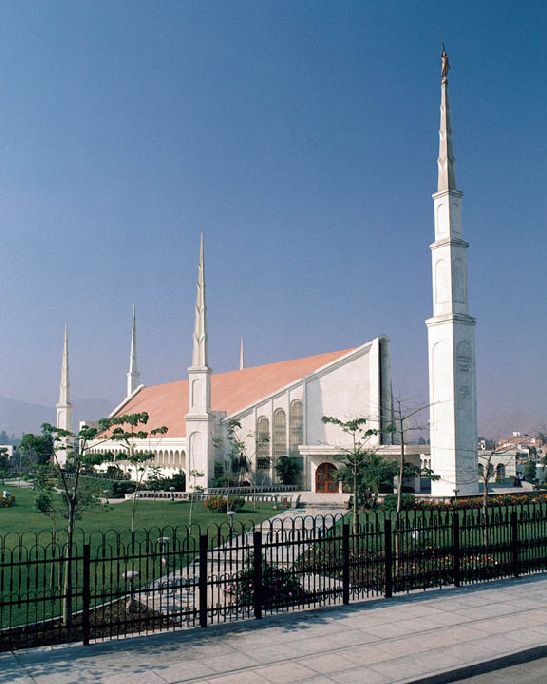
[310,501]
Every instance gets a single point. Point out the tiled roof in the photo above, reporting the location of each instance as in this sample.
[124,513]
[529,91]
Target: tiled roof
[167,404]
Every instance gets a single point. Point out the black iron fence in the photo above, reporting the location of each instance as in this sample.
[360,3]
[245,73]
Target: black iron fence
[119,583]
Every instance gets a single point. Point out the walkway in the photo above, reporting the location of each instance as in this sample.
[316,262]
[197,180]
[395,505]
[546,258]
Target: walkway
[405,639]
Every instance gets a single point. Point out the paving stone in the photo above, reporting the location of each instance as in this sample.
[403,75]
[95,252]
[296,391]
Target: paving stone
[360,675]
[286,672]
[183,671]
[410,667]
[330,662]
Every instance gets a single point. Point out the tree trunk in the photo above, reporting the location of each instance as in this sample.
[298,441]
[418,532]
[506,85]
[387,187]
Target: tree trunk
[399,493]
[355,502]
[67,588]
[486,480]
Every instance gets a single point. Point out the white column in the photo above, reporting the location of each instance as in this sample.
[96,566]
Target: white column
[199,420]
[451,336]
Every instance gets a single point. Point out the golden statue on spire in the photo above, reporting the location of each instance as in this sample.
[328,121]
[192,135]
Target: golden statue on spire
[445,66]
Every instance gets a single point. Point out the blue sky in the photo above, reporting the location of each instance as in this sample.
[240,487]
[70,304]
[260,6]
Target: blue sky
[301,138]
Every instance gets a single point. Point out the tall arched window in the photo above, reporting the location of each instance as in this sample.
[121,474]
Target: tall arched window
[279,436]
[296,427]
[262,443]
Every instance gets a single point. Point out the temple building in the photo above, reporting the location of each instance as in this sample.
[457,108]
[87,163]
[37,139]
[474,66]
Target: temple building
[280,406]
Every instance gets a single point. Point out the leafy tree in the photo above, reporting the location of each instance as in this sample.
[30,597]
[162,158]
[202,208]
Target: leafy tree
[530,471]
[38,449]
[4,463]
[377,470]
[355,457]
[288,469]
[236,465]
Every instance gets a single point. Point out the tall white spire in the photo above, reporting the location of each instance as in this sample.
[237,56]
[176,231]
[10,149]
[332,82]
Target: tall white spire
[199,349]
[446,161]
[241,356]
[451,330]
[133,376]
[200,419]
[64,407]
[64,385]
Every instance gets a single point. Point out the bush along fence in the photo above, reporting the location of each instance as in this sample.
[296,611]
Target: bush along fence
[120,582]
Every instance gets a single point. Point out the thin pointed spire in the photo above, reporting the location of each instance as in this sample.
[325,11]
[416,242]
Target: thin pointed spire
[199,351]
[446,162]
[133,376]
[241,356]
[64,385]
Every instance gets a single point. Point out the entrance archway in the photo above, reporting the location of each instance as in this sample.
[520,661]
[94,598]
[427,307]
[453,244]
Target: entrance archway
[326,479]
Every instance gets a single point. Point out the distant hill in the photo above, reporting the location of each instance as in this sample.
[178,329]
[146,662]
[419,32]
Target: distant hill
[18,417]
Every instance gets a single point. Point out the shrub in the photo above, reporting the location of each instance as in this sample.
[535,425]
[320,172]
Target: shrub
[121,488]
[279,587]
[222,504]
[408,502]
[7,500]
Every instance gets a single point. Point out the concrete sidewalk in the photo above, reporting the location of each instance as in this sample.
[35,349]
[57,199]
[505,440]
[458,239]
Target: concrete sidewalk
[404,639]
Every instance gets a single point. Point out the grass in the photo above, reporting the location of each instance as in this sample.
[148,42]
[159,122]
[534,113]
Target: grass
[26,534]
[24,518]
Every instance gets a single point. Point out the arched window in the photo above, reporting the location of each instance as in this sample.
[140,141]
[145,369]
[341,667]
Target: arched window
[263,443]
[296,427]
[279,433]
[500,471]
[481,470]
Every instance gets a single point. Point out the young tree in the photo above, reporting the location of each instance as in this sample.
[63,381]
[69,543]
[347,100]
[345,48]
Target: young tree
[403,424]
[236,464]
[47,502]
[355,456]
[125,430]
[487,473]
[77,494]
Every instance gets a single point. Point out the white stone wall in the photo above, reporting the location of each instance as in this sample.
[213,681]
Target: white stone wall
[345,389]
[349,390]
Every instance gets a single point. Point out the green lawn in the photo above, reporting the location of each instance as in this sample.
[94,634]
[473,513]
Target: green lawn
[24,518]
[31,568]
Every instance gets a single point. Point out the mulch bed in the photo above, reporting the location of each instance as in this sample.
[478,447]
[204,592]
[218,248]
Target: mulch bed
[109,622]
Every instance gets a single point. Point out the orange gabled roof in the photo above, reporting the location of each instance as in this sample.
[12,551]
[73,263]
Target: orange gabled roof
[167,404]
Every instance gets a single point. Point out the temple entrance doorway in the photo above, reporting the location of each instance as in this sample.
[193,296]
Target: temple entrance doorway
[326,479]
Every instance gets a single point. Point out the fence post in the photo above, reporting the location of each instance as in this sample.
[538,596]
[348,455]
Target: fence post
[345,564]
[203,573]
[86,594]
[257,579]
[388,559]
[456,556]
[515,543]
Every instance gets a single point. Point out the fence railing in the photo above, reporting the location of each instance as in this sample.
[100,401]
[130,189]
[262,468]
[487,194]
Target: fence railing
[120,582]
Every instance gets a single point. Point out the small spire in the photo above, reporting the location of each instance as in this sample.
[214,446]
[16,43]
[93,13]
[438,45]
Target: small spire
[64,385]
[133,376]
[241,356]
[199,351]
[446,162]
